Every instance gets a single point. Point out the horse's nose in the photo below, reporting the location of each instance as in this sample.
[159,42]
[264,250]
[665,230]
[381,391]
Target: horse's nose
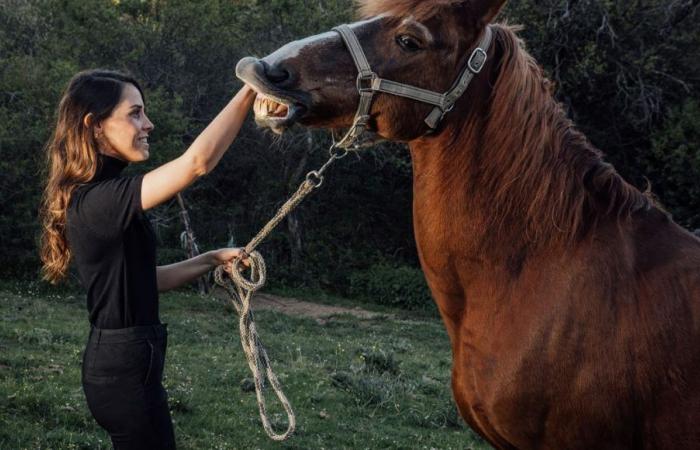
[261,73]
[276,74]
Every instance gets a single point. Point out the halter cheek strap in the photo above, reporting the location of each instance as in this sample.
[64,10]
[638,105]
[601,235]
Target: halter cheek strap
[368,82]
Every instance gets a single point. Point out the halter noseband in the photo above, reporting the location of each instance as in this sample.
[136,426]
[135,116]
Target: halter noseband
[368,83]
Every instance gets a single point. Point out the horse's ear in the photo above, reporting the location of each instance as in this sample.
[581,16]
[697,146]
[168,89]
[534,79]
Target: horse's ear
[486,10]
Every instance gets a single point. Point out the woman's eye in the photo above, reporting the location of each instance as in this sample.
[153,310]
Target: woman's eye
[408,43]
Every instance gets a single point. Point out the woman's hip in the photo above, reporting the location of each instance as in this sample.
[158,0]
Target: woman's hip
[126,356]
[122,379]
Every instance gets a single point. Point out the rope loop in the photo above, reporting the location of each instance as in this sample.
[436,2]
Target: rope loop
[258,272]
[240,290]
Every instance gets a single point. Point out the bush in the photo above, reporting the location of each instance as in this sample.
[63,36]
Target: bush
[674,163]
[378,361]
[389,285]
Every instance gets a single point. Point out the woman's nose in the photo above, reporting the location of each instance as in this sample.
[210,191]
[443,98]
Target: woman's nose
[149,125]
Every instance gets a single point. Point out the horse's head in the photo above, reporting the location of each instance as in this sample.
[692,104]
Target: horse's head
[423,43]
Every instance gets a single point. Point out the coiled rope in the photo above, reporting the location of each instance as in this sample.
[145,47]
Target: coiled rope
[240,289]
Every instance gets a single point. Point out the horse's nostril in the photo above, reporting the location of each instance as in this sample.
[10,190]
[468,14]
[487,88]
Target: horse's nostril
[276,74]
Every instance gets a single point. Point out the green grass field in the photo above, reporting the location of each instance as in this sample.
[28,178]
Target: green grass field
[357,384]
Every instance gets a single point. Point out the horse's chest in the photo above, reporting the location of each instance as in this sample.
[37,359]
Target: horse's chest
[444,241]
[502,386]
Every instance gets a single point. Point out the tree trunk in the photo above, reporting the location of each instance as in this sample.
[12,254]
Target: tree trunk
[294,231]
[190,244]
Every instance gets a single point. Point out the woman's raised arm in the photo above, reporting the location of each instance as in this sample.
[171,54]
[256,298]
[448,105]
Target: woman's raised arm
[162,183]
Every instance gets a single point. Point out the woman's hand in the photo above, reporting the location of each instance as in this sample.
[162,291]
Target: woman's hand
[249,91]
[226,256]
[175,275]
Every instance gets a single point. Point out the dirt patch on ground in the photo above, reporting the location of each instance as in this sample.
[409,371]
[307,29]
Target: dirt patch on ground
[296,307]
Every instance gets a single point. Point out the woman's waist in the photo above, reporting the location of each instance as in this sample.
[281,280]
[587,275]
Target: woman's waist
[128,334]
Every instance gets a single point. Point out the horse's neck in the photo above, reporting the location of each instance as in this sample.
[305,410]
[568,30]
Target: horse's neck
[448,212]
[451,208]
[475,201]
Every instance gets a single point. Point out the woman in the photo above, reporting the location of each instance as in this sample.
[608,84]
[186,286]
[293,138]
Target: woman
[95,216]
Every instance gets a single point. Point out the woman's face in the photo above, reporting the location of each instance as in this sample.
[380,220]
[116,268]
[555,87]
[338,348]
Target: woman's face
[124,134]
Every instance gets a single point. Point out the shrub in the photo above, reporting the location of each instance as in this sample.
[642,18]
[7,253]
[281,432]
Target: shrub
[379,361]
[389,285]
[674,163]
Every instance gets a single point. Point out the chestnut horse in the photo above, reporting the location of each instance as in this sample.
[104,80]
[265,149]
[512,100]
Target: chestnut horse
[572,300]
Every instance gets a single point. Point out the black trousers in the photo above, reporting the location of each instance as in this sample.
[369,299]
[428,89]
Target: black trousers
[122,380]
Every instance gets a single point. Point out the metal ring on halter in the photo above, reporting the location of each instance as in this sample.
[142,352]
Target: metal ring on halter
[315,177]
[448,109]
[337,152]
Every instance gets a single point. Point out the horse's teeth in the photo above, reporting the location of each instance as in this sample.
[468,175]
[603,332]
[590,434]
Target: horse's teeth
[265,106]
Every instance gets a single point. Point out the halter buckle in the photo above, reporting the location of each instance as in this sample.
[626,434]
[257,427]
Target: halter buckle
[477,60]
[365,82]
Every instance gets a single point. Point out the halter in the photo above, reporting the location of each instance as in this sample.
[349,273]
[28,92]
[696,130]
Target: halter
[368,83]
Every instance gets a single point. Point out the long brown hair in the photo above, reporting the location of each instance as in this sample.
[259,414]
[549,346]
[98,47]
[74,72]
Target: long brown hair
[72,157]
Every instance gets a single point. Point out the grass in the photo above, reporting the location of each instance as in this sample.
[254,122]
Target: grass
[356,384]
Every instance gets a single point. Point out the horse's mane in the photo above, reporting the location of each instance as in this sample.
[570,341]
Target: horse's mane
[418,9]
[536,165]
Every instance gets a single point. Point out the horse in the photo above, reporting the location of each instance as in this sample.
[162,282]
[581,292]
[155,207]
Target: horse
[571,299]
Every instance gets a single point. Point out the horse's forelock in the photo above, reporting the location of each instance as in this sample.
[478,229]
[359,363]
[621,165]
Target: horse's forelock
[419,9]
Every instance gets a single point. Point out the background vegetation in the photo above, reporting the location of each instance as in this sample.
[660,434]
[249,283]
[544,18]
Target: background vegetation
[628,73]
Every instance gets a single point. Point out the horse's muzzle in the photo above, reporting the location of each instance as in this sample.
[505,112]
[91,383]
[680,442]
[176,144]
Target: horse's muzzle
[272,83]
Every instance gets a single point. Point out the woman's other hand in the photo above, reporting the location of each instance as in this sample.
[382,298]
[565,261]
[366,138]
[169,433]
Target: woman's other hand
[226,256]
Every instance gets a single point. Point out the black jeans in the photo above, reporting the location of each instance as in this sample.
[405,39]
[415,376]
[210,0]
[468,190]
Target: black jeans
[122,381]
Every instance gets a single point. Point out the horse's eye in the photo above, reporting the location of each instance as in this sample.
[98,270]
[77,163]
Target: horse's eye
[408,43]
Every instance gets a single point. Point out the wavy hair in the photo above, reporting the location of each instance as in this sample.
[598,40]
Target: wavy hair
[71,157]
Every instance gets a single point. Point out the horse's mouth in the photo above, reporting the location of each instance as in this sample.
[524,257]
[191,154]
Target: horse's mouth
[276,113]
[275,108]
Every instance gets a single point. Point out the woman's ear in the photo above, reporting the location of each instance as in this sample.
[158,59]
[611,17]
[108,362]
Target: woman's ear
[89,121]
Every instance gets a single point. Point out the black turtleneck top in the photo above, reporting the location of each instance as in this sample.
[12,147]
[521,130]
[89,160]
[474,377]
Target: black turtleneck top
[114,248]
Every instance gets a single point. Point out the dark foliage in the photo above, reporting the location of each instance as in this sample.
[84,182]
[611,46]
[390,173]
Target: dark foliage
[626,71]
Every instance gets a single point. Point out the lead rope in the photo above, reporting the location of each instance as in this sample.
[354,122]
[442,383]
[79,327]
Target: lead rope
[240,290]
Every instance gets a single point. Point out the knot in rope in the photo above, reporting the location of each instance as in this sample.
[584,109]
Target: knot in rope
[258,272]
